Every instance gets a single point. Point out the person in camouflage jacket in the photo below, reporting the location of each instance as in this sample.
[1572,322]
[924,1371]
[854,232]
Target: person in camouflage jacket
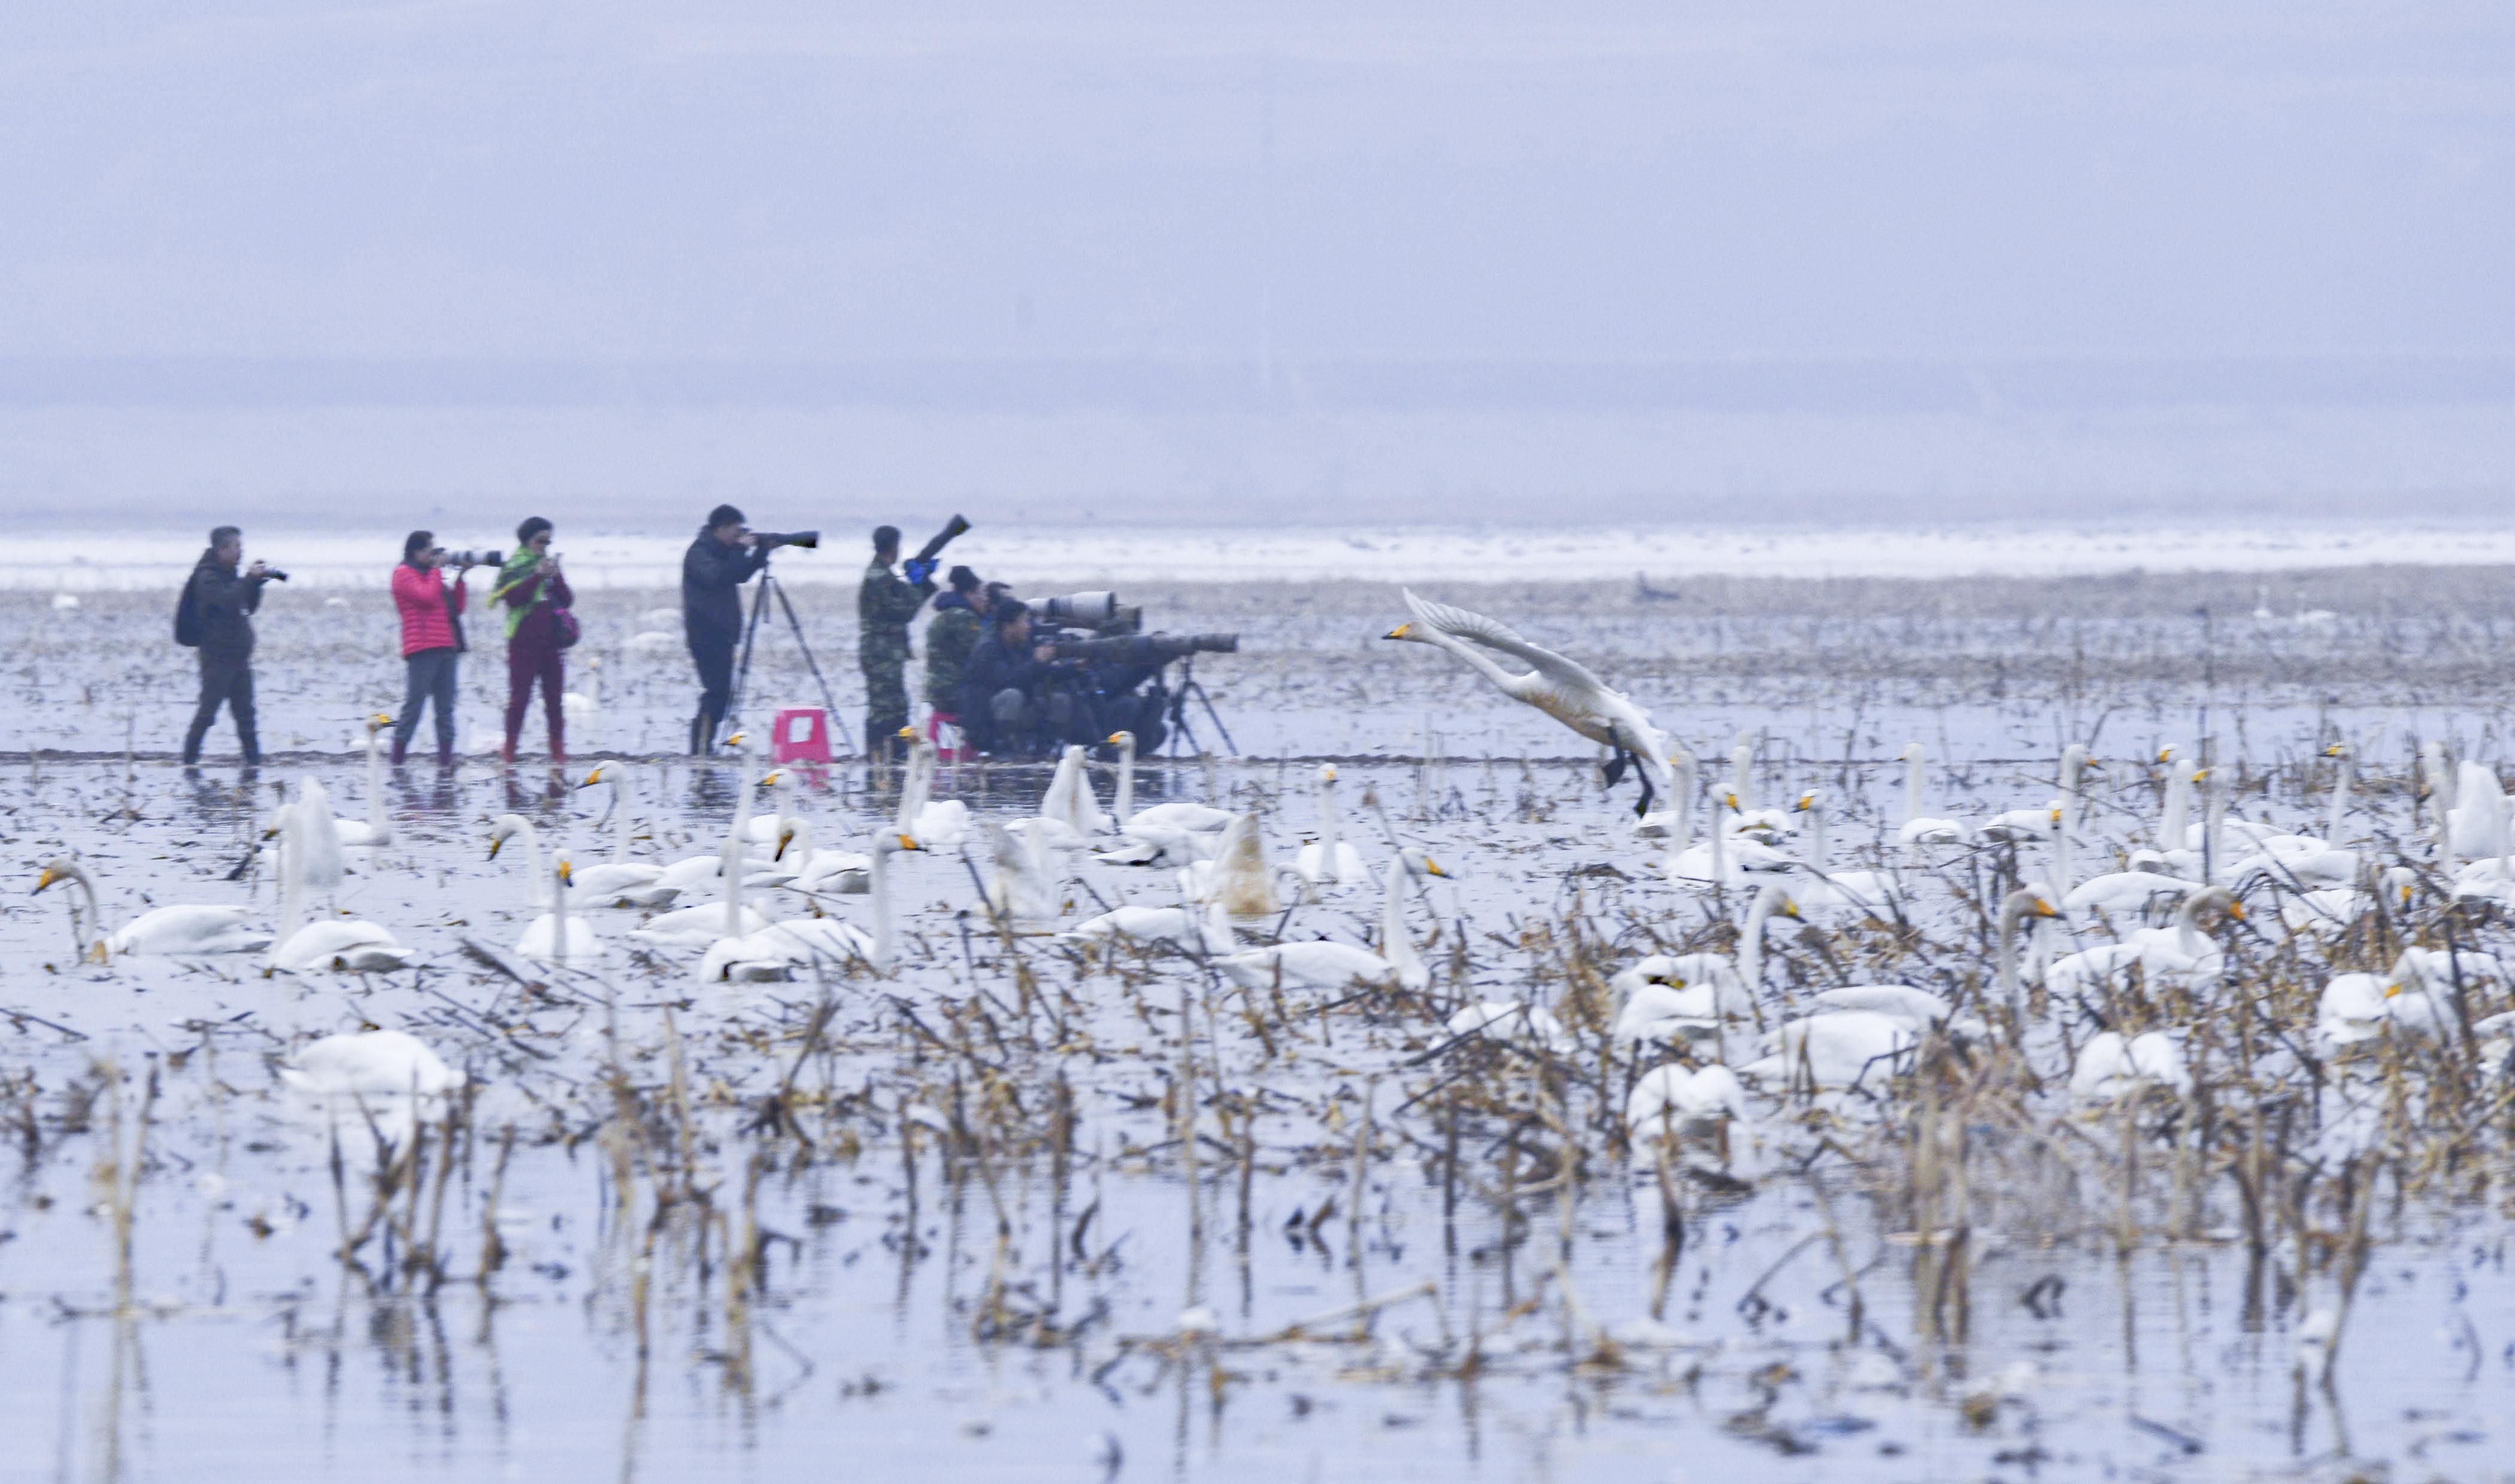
[884,604]
[950,636]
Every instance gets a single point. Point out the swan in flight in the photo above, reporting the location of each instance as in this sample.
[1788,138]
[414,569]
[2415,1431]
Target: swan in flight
[376,829]
[1330,860]
[1562,689]
[173,930]
[349,944]
[621,881]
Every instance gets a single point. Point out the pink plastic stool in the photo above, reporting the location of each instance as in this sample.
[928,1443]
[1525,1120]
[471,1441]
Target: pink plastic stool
[800,735]
[936,723]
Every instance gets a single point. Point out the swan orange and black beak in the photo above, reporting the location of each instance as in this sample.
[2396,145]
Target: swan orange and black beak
[1402,631]
[48,877]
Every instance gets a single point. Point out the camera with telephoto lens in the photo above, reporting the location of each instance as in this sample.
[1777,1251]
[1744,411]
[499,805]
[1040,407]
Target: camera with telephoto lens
[1144,648]
[807,539]
[476,558]
[1108,675]
[274,574]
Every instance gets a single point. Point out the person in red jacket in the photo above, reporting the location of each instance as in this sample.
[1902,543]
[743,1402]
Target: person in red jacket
[432,641]
[533,594]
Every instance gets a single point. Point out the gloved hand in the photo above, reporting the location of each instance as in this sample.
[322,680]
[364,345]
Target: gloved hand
[921,571]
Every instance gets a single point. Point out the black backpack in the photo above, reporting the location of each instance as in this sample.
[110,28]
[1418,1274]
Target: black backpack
[187,618]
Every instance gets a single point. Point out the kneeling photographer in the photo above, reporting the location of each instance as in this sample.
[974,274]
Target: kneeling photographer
[1079,672]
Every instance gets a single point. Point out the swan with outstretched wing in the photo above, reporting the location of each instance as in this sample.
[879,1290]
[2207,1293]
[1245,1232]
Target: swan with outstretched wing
[1563,688]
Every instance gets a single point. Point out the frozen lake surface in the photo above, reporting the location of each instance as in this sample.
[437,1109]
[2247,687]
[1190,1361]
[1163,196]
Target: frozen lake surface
[1023,1211]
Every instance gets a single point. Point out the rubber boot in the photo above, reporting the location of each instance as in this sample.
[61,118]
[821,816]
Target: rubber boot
[445,755]
[400,751]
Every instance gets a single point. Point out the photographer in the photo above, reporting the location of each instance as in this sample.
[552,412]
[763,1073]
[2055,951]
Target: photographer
[1001,710]
[216,616]
[431,640]
[959,620]
[535,595]
[884,606]
[723,558]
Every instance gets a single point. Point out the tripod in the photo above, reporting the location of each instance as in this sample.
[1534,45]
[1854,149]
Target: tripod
[750,636]
[1180,727]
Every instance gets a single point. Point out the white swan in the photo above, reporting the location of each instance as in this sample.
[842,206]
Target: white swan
[1836,1048]
[1182,927]
[700,925]
[324,865]
[1562,689]
[935,824]
[555,936]
[1674,1102]
[1725,859]
[2479,804]
[1673,998]
[1022,892]
[1818,888]
[1771,899]
[621,881]
[1917,828]
[1198,818]
[2180,952]
[2109,1066]
[772,952]
[1330,860]
[1741,816]
[376,829]
[339,943]
[170,930]
[1332,965]
[825,873]
[537,876]
[384,1080]
[1238,876]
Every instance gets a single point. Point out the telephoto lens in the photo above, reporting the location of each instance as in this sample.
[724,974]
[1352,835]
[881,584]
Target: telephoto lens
[476,558]
[274,574]
[807,539]
[1081,610]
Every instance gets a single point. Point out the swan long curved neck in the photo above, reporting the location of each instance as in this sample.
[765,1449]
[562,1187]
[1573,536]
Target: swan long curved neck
[1751,943]
[292,872]
[1396,944]
[1510,683]
[2344,773]
[87,927]
[558,910]
[620,828]
[2187,927]
[1124,807]
[730,864]
[1742,775]
[2174,821]
[1326,827]
[918,787]
[2013,916]
[377,824]
[884,948]
[1819,849]
[1683,766]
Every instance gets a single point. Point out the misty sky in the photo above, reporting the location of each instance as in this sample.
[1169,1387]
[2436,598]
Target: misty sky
[1291,259]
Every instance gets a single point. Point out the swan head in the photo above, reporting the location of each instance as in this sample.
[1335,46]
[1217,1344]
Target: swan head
[1809,803]
[2336,750]
[1327,772]
[1417,858]
[507,828]
[594,777]
[377,722]
[58,869]
[785,838]
[566,872]
[1403,631]
[890,841]
[1914,752]
[1124,741]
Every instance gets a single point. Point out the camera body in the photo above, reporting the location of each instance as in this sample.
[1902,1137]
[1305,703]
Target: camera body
[807,539]
[274,574]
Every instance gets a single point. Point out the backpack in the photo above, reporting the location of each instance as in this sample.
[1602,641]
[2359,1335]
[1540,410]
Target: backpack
[187,618]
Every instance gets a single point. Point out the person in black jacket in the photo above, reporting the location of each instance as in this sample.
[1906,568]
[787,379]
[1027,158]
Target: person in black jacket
[999,709]
[223,602]
[718,563]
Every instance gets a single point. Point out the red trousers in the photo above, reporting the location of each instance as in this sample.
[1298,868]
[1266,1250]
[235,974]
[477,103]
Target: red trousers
[531,657]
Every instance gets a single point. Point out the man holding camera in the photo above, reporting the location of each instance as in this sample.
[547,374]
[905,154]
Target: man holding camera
[219,604]
[719,563]
[884,604]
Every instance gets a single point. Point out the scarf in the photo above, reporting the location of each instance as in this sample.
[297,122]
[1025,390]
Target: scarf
[518,568]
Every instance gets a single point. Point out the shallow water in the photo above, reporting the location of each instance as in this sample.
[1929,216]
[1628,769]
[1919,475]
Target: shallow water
[936,1331]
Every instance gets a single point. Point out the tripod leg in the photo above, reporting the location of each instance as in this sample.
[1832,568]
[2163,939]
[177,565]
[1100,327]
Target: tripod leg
[829,701]
[750,633]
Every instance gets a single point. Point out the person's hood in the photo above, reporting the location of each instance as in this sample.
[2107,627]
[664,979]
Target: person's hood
[952,601]
[210,558]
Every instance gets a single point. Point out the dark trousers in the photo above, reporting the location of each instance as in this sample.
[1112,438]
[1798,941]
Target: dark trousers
[528,661]
[431,679]
[886,709]
[712,654]
[227,679]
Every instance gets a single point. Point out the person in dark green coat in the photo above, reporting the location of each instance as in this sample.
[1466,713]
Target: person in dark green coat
[950,636]
[884,604]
